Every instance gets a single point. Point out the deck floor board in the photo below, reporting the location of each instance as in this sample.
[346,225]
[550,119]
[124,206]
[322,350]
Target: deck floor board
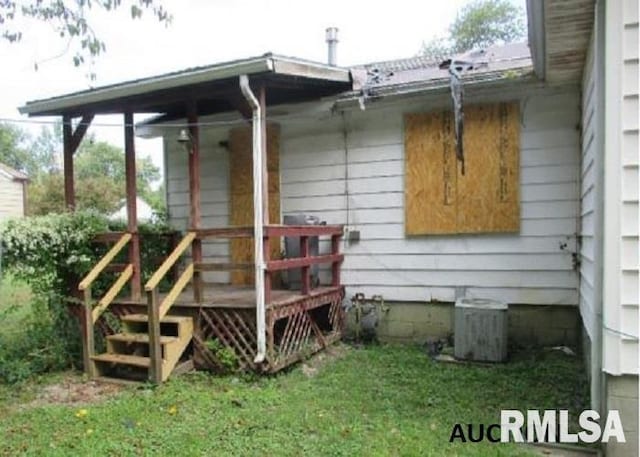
[228,296]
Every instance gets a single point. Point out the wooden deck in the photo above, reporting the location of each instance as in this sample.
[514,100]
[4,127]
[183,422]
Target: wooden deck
[297,324]
[229,296]
[224,322]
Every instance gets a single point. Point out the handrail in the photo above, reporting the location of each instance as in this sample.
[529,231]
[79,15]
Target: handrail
[106,259]
[91,314]
[112,293]
[303,230]
[299,262]
[156,311]
[153,282]
[175,291]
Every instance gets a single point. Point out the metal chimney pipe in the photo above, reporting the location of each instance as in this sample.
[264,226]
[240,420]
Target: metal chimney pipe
[332,45]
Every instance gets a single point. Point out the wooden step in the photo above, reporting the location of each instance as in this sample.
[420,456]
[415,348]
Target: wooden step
[142,338]
[134,360]
[169,319]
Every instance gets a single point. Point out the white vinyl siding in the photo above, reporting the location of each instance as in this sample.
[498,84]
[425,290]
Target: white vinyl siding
[214,191]
[11,198]
[534,267]
[590,214]
[621,190]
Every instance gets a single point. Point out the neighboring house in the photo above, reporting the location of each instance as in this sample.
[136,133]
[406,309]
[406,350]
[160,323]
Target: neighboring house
[544,217]
[13,192]
[144,211]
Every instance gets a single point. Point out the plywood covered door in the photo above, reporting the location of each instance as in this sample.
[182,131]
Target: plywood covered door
[241,194]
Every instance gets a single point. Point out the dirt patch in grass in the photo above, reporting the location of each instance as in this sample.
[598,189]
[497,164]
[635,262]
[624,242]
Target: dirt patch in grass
[73,391]
[315,364]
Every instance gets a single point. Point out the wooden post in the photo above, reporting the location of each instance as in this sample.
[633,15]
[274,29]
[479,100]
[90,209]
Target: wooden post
[194,197]
[132,211]
[155,350]
[67,147]
[266,247]
[88,347]
[70,141]
[265,164]
[266,256]
[304,253]
[335,266]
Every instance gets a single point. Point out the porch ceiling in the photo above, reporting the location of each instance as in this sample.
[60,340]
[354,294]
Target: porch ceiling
[215,88]
[559,34]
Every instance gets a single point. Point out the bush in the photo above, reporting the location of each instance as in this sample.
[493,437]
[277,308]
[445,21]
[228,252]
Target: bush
[35,347]
[51,253]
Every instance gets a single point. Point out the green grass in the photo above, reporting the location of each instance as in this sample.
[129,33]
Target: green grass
[375,401]
[15,304]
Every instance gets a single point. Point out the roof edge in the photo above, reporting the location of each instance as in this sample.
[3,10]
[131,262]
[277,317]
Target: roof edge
[137,87]
[536,33]
[12,173]
[517,75]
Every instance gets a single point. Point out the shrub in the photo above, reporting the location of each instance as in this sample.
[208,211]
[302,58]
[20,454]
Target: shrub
[51,253]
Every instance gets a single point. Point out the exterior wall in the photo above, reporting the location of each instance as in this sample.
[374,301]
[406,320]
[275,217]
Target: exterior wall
[622,395]
[361,185]
[214,188]
[620,283]
[356,178]
[11,198]
[590,190]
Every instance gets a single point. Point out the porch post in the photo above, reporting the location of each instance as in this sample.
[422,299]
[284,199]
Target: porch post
[194,196]
[70,142]
[132,211]
[67,147]
[265,190]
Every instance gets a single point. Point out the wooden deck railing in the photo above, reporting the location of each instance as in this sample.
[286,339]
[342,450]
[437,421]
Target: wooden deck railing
[157,310]
[91,313]
[304,262]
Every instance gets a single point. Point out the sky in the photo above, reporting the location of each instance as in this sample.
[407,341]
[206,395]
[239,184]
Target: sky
[208,31]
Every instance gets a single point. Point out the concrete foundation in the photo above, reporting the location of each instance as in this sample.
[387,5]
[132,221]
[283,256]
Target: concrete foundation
[529,325]
[622,395]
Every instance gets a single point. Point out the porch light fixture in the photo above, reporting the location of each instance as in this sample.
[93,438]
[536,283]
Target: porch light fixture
[186,140]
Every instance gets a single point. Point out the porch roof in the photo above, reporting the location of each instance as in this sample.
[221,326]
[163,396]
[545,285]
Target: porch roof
[215,87]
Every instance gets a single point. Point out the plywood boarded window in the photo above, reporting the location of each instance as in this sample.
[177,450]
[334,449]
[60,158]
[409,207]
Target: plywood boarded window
[241,191]
[438,198]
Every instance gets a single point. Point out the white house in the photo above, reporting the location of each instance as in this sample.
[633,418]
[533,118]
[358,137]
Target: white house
[540,209]
[143,210]
[13,192]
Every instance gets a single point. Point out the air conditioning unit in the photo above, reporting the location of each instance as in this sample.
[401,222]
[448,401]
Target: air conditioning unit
[480,330]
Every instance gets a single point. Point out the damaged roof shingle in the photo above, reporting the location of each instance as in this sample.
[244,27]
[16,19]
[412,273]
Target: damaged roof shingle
[421,68]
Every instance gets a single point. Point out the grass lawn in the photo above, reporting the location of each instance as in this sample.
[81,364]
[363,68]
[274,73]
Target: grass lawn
[15,304]
[373,401]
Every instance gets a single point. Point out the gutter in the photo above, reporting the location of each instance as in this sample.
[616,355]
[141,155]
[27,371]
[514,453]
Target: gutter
[258,228]
[597,387]
[435,86]
[537,42]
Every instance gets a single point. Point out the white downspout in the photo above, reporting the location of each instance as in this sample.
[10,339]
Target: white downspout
[258,227]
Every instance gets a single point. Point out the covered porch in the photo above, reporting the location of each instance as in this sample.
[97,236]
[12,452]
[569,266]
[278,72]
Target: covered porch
[264,325]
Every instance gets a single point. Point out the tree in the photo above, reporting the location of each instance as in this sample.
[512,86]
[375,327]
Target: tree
[69,19]
[14,149]
[479,24]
